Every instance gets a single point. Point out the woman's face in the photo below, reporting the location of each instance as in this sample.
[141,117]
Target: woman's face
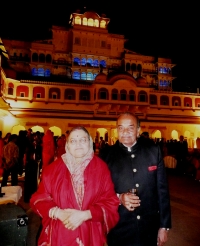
[78,143]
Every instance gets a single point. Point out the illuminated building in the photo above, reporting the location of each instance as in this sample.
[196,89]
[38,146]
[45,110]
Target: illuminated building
[83,75]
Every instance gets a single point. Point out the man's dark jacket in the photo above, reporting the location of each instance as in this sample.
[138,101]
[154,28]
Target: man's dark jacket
[141,168]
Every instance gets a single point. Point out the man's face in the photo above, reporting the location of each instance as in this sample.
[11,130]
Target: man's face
[127,129]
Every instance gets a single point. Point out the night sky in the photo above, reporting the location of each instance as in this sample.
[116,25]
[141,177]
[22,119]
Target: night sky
[163,28]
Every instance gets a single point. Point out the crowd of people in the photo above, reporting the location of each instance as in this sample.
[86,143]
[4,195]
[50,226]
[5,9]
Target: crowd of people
[117,196]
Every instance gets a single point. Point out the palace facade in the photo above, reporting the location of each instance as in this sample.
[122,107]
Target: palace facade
[84,75]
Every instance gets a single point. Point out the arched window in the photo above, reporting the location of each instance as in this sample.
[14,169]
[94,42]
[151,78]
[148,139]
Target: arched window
[47,73]
[76,61]
[168,70]
[34,72]
[123,94]
[85,21]
[164,100]
[10,88]
[76,75]
[139,67]
[133,67]
[83,76]
[83,61]
[48,58]
[54,93]
[90,76]
[164,70]
[114,94]
[84,95]
[103,24]
[132,96]
[90,22]
[38,92]
[42,58]
[22,91]
[176,101]
[160,70]
[34,57]
[96,63]
[103,63]
[40,71]
[70,94]
[103,94]
[153,99]
[96,23]
[142,96]
[128,67]
[89,62]
[78,20]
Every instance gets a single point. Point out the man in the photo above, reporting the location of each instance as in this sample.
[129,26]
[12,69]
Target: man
[145,218]
[10,163]
[181,155]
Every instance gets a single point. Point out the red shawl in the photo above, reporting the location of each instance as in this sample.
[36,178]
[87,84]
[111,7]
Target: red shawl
[99,197]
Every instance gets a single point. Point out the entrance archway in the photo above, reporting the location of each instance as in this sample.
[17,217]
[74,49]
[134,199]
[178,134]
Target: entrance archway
[16,129]
[56,131]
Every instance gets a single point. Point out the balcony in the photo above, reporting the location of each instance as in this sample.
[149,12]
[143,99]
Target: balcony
[149,71]
[62,62]
[19,58]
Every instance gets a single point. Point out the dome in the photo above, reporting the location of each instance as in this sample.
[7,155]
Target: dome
[101,77]
[141,80]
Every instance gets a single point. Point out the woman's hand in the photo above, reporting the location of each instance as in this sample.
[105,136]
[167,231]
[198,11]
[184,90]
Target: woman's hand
[130,201]
[73,218]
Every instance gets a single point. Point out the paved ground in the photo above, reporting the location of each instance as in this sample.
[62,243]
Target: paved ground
[185,205]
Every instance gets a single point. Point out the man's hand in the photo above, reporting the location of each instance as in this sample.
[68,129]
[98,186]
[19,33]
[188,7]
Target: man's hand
[162,237]
[129,200]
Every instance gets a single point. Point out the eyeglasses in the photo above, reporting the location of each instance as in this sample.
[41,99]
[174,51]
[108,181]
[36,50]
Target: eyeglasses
[80,141]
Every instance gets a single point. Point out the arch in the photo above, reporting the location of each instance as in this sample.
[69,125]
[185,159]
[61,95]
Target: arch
[37,129]
[22,91]
[41,71]
[83,61]
[70,94]
[48,58]
[47,73]
[76,75]
[10,88]
[164,100]
[133,67]
[176,101]
[160,70]
[96,23]
[114,94]
[102,24]
[83,76]
[42,58]
[128,66]
[132,95]
[174,135]
[34,57]
[96,63]
[76,61]
[84,95]
[123,95]
[153,99]
[56,130]
[78,20]
[102,63]
[39,92]
[17,128]
[188,102]
[34,71]
[89,62]
[102,132]
[142,96]
[103,93]
[90,76]
[54,93]
[165,70]
[139,68]
[156,134]
[90,22]
[85,21]
[197,102]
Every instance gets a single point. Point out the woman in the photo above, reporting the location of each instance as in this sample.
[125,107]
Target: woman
[76,197]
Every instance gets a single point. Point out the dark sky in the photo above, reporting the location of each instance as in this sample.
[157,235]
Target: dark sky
[163,28]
